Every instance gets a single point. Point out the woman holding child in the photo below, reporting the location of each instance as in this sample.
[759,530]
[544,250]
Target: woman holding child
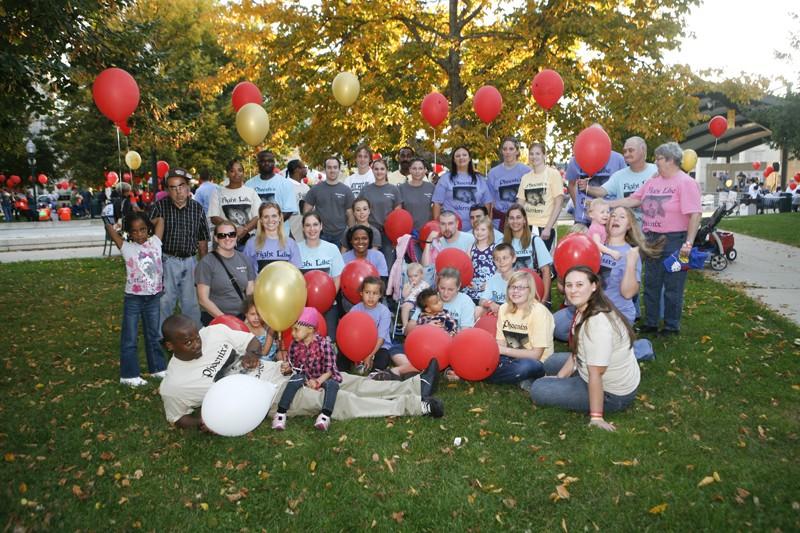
[224,277]
[601,374]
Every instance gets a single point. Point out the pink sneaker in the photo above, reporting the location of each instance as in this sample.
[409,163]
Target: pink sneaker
[323,422]
[279,421]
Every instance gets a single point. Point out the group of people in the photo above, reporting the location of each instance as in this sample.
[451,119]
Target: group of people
[504,222]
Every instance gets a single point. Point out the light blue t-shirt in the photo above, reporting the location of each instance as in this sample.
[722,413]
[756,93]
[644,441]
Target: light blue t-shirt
[373,256]
[461,308]
[615,162]
[458,194]
[203,194]
[623,183]
[271,251]
[277,189]
[382,317]
[504,184]
[525,255]
[325,257]
[463,242]
[495,290]
[611,272]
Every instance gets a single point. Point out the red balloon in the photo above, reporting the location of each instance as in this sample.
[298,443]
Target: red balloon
[717,126]
[435,108]
[162,167]
[42,179]
[458,259]
[322,329]
[538,280]
[576,250]
[474,354]
[356,335]
[756,165]
[126,177]
[398,223]
[487,103]
[353,274]
[438,168]
[116,94]
[547,87]
[592,149]
[231,321]
[124,128]
[425,343]
[2,178]
[793,185]
[425,231]
[797,177]
[769,170]
[488,323]
[112,178]
[321,290]
[245,93]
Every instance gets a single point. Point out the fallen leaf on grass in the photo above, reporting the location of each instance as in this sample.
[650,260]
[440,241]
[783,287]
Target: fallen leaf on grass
[561,493]
[9,457]
[708,480]
[704,339]
[101,470]
[627,462]
[741,495]
[78,492]
[398,517]
[510,502]
[203,506]
[388,464]
[476,410]
[658,509]
[312,466]
[138,474]
[564,525]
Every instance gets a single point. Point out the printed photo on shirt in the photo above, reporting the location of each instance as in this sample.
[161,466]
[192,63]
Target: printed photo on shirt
[267,197]
[508,193]
[466,194]
[239,214]
[515,339]
[307,267]
[535,195]
[652,205]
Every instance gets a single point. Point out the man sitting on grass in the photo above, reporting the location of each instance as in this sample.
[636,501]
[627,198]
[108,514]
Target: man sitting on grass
[202,357]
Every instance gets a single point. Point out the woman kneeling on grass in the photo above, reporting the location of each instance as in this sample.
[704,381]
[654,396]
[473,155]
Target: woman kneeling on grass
[601,374]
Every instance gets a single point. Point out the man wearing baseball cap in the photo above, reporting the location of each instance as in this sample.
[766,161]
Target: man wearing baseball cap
[185,233]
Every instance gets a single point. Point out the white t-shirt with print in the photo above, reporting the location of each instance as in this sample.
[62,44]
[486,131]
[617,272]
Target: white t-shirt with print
[145,274]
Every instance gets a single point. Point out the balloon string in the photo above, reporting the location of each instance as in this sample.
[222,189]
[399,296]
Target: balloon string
[119,155]
[714,151]
[434,150]
[544,141]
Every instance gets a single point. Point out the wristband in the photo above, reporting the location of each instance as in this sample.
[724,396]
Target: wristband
[596,415]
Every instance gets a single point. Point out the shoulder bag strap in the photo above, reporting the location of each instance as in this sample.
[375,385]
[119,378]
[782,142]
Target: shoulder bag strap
[230,276]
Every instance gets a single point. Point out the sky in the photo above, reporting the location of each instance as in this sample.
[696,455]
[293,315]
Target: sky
[741,36]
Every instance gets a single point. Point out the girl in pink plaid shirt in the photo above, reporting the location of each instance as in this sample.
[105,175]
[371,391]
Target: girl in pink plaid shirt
[312,363]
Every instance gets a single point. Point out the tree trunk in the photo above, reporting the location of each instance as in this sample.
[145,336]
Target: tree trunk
[456,92]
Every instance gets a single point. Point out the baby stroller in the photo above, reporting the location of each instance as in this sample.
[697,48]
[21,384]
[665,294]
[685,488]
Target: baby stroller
[717,243]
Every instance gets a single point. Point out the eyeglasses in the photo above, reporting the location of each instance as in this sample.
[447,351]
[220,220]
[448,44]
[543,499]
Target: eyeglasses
[229,235]
[519,288]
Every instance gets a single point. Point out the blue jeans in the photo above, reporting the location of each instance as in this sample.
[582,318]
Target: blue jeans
[296,382]
[179,288]
[572,393]
[146,307]
[656,279]
[8,212]
[513,370]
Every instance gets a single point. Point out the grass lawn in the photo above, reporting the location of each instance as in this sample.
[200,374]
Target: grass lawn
[711,444]
[778,227]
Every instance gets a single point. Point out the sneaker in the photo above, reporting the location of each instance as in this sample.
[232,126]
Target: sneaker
[323,422]
[451,375]
[384,375]
[429,379]
[360,369]
[647,329]
[133,382]
[666,331]
[433,407]
[279,421]
[159,375]
[526,384]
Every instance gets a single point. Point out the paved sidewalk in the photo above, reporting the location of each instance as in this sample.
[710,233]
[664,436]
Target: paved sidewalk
[54,254]
[768,272]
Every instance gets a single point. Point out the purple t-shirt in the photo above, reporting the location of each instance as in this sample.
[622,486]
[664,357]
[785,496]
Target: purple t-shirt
[373,256]
[504,184]
[271,252]
[611,272]
[615,162]
[382,317]
[458,194]
[667,204]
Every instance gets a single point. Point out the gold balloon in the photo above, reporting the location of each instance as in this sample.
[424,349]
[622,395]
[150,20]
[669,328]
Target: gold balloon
[252,123]
[346,88]
[729,183]
[280,294]
[689,160]
[133,160]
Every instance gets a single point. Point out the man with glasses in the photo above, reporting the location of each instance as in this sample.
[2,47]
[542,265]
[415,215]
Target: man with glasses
[185,233]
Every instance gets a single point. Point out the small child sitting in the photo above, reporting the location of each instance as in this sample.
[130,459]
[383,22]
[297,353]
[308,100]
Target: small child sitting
[416,284]
[432,312]
[599,213]
[256,325]
[311,362]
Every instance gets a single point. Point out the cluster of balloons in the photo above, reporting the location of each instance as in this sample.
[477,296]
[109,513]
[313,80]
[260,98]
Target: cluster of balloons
[252,121]
[116,95]
[473,353]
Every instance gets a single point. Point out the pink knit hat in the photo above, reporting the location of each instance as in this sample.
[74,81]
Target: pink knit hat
[309,317]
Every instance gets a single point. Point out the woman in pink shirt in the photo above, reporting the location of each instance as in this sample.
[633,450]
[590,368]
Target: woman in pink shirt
[671,209]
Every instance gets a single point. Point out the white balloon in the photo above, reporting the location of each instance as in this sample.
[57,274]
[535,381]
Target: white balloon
[236,404]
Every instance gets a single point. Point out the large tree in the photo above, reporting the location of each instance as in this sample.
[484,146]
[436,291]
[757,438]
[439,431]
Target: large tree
[609,54]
